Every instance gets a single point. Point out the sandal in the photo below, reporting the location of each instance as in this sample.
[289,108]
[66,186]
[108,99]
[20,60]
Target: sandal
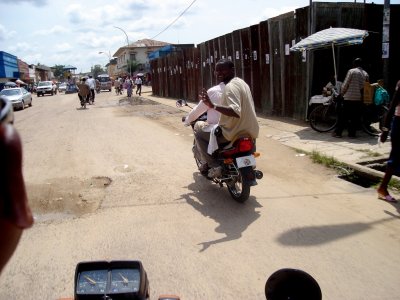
[387,198]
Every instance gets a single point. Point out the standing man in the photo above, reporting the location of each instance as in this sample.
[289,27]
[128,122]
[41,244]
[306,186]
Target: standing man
[92,86]
[349,114]
[238,117]
[15,213]
[138,82]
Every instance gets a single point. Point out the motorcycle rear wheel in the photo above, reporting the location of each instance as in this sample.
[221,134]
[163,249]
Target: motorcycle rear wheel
[239,190]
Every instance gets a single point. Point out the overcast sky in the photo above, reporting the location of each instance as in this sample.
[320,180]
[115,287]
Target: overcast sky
[73,32]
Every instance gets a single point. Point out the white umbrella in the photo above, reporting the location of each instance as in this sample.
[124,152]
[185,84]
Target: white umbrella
[331,37]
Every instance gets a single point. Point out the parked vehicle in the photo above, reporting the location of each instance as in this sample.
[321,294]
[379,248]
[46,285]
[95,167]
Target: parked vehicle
[105,82]
[71,88]
[62,87]
[236,162]
[45,87]
[19,97]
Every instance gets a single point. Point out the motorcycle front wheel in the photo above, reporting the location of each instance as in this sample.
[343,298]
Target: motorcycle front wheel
[239,189]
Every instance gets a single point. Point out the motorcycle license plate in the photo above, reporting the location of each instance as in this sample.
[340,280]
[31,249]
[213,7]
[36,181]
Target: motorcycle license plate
[245,161]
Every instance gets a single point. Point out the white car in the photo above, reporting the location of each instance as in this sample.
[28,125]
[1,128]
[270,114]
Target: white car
[19,97]
[62,87]
[45,87]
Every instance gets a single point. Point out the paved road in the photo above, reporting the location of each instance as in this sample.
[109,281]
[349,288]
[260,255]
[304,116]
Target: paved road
[117,181]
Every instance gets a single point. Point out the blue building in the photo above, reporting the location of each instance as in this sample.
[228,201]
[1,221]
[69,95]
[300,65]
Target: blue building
[8,67]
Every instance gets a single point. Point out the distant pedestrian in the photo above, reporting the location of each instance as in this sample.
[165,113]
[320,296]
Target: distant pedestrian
[129,86]
[117,86]
[138,83]
[392,124]
[349,114]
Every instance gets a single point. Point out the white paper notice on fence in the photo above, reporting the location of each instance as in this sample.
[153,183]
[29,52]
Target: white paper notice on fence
[267,59]
[385,50]
[254,55]
[304,56]
[237,54]
[293,42]
[287,49]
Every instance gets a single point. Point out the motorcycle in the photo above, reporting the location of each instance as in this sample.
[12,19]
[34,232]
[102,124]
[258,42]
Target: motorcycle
[84,95]
[236,163]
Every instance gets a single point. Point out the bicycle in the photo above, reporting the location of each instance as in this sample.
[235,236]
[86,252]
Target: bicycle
[324,117]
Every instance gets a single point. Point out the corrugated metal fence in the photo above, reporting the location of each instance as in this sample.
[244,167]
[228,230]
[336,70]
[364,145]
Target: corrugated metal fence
[281,81]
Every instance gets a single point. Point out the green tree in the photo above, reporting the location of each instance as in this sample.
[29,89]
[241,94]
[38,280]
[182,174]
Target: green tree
[134,66]
[97,70]
[58,71]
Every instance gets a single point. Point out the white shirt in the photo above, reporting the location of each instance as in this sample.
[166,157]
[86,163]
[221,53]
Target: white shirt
[138,81]
[214,94]
[91,83]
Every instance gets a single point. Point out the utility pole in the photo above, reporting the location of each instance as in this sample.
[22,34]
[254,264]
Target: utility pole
[129,55]
[386,43]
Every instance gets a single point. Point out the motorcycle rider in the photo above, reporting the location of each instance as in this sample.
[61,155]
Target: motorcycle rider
[238,117]
[92,85]
[83,91]
[214,93]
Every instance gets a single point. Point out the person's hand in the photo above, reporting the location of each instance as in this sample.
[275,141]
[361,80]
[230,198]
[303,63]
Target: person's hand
[204,97]
[383,136]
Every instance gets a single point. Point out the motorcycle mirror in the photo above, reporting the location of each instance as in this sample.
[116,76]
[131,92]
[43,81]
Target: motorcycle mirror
[292,284]
[181,103]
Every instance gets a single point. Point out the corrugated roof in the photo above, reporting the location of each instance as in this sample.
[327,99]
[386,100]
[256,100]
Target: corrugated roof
[148,43]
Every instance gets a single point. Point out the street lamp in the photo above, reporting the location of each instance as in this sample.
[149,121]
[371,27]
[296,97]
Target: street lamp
[127,40]
[109,59]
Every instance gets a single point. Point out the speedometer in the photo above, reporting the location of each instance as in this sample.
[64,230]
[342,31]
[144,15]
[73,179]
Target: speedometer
[92,282]
[117,279]
[125,280]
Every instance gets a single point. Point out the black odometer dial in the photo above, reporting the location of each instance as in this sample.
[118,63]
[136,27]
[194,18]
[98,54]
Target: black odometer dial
[92,282]
[125,280]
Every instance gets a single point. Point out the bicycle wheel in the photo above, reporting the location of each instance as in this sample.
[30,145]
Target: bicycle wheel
[323,118]
[372,119]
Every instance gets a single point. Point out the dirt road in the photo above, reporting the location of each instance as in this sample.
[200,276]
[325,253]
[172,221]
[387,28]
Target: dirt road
[118,181]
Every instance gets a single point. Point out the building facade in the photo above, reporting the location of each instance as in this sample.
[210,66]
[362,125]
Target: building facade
[136,52]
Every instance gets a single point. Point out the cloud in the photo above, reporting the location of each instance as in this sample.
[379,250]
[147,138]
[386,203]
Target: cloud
[56,29]
[6,34]
[33,2]
[63,47]
[274,12]
[22,47]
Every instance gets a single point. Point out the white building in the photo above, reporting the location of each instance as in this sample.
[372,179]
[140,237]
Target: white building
[137,51]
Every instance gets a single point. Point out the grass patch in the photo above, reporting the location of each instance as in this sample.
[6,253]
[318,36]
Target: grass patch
[331,162]
[344,171]
[369,153]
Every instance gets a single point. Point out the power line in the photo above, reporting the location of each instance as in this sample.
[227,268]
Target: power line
[182,13]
